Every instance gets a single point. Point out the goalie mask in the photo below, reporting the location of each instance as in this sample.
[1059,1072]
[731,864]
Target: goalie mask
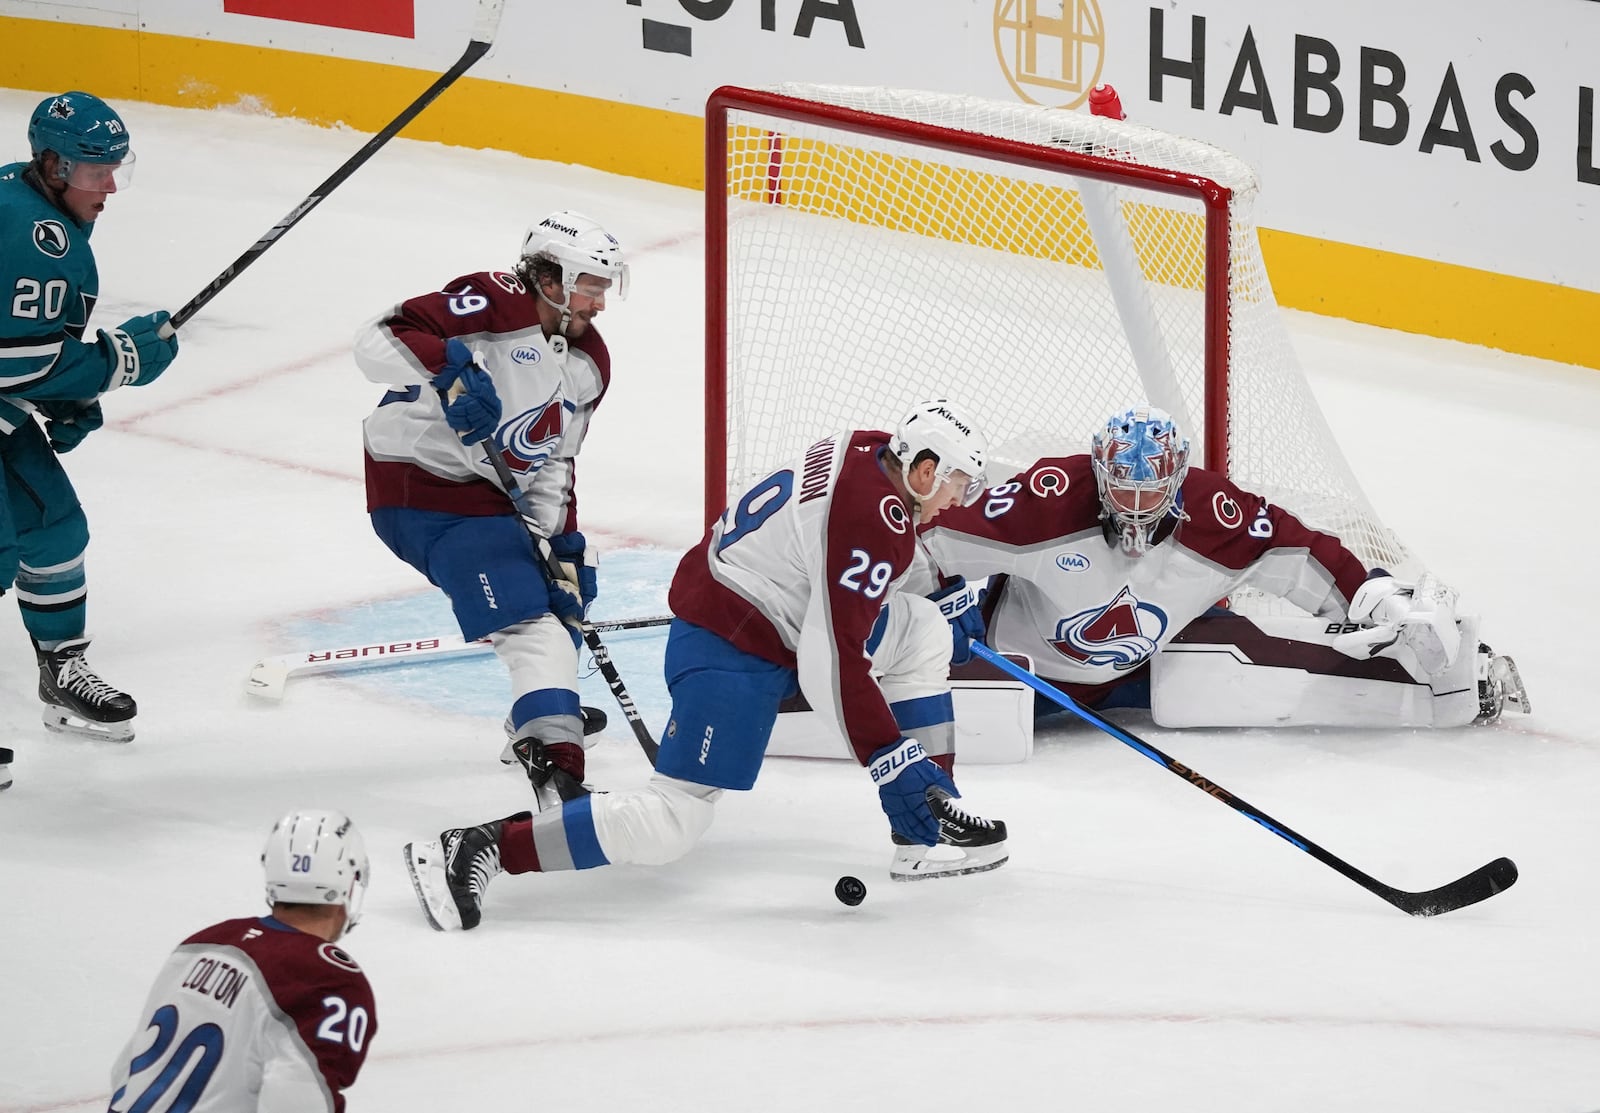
[89,137]
[942,430]
[319,858]
[578,246]
[1140,461]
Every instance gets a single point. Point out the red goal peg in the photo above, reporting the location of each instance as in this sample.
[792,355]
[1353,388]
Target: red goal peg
[1103,101]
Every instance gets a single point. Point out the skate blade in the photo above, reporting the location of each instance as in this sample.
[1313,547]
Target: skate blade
[425,864]
[930,867]
[64,722]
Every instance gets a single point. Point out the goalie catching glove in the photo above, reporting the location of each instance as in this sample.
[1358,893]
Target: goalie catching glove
[1420,617]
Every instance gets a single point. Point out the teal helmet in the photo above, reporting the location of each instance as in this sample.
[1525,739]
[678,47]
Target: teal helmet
[82,129]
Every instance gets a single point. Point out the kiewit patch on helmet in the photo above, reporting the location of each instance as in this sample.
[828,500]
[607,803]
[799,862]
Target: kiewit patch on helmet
[50,237]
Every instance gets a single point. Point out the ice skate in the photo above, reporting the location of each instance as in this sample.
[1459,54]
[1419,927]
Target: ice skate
[552,785]
[5,767]
[451,873]
[967,844]
[1499,684]
[77,701]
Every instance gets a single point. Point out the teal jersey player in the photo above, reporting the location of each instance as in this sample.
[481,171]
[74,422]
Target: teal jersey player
[53,370]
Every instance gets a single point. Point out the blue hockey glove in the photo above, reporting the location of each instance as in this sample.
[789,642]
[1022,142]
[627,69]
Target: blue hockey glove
[474,411]
[69,422]
[904,774]
[577,564]
[958,602]
[137,352]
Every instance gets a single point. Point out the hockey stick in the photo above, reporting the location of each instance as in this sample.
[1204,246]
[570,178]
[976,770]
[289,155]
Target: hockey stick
[269,675]
[483,32]
[1481,884]
[547,564]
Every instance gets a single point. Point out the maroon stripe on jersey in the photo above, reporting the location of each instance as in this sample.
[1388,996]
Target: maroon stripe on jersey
[394,483]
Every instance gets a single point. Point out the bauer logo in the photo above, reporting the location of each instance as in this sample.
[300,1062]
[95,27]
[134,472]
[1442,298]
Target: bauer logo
[1052,54]
[1073,562]
[525,353]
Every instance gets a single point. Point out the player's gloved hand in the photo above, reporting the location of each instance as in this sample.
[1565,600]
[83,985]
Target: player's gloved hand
[137,352]
[577,563]
[1420,617]
[472,405]
[69,422]
[958,602]
[566,596]
[904,774]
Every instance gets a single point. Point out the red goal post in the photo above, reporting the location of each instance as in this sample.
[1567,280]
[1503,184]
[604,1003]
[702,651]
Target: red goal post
[868,247]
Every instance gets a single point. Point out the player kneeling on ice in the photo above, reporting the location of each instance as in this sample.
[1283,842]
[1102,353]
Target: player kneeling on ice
[1100,560]
[264,1012]
[512,361]
[796,587]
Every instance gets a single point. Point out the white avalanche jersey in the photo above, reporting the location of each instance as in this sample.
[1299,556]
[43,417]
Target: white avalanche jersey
[1088,613]
[797,570]
[548,387]
[248,1016]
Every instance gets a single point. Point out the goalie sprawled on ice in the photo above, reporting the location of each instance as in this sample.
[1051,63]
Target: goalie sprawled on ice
[1100,560]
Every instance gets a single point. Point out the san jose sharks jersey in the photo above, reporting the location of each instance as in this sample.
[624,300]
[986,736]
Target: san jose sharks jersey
[248,1016]
[548,390]
[48,287]
[1088,613]
[797,570]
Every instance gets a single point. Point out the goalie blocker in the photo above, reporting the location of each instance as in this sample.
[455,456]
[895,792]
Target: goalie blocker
[1290,670]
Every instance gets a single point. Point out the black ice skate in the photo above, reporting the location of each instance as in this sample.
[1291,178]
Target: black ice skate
[1499,683]
[76,701]
[552,785]
[967,844]
[5,767]
[451,874]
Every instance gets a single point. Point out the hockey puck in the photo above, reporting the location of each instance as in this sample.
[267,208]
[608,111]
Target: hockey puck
[850,891]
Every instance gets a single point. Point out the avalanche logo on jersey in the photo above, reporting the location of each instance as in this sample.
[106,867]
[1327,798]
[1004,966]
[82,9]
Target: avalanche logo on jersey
[50,237]
[1121,634]
[528,439]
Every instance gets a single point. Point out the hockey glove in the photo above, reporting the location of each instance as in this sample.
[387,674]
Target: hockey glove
[577,564]
[137,352]
[69,422]
[904,775]
[958,602]
[472,405]
[1420,617]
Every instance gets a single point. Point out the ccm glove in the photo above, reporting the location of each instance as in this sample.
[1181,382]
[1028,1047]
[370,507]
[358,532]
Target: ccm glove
[69,422]
[904,775]
[577,564]
[472,405]
[958,602]
[137,351]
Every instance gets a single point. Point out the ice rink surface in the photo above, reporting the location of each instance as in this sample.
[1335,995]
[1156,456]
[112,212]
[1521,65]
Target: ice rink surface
[1144,950]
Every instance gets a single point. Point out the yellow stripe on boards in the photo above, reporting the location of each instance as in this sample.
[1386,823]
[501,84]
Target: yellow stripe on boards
[1341,280]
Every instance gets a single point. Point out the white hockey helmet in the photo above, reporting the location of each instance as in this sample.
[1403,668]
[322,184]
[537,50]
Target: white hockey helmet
[581,246]
[942,429]
[317,857]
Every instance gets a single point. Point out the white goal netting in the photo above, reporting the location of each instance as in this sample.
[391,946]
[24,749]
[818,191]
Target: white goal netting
[891,253]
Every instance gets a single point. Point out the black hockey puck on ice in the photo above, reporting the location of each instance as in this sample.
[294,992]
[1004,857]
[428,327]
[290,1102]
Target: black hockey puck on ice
[850,891]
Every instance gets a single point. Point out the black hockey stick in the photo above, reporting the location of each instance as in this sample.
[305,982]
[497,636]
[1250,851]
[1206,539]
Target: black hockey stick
[547,565]
[1481,884]
[483,32]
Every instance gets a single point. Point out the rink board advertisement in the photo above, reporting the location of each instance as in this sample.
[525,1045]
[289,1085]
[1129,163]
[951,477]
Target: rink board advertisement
[1430,166]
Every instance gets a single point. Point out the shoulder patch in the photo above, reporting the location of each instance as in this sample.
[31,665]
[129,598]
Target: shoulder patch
[338,956]
[510,283]
[894,513]
[1048,481]
[50,237]
[1228,513]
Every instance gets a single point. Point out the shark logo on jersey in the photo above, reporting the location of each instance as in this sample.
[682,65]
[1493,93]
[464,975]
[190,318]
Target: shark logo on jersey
[1121,634]
[50,237]
[528,439]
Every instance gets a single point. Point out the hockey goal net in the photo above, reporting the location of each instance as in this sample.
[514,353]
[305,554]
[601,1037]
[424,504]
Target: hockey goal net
[870,247]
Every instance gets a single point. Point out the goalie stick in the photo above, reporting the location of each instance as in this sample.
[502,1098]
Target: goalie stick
[1481,884]
[269,675]
[484,27]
